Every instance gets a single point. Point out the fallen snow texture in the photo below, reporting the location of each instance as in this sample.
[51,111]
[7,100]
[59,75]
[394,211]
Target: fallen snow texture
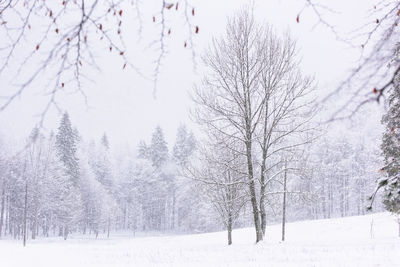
[334,242]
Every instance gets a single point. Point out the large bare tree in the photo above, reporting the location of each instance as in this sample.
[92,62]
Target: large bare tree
[228,101]
[254,95]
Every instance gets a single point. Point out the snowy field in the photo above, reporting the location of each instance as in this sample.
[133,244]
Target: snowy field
[334,242]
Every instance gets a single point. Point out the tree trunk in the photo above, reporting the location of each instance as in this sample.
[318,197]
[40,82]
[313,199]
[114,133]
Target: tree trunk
[263,169]
[263,213]
[229,231]
[34,225]
[3,194]
[330,200]
[324,213]
[173,210]
[253,197]
[25,212]
[14,231]
[284,205]
[7,224]
[108,228]
[125,214]
[65,232]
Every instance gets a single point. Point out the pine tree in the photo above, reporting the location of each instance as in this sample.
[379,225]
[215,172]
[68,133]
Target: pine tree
[391,152]
[181,190]
[102,165]
[66,144]
[143,150]
[184,145]
[104,142]
[158,148]
[103,193]
[68,194]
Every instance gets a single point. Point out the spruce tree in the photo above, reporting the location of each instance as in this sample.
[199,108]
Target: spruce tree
[143,150]
[70,211]
[391,151]
[158,148]
[104,142]
[184,145]
[66,147]
[102,167]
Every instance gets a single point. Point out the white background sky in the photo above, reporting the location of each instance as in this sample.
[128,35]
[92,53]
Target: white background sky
[122,103]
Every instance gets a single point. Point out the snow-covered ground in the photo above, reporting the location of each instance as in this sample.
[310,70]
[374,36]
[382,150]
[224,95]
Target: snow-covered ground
[334,242]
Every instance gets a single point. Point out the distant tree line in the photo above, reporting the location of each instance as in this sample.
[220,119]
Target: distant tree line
[60,184]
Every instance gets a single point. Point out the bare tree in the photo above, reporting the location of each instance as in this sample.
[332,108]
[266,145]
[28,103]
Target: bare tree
[3,197]
[378,65]
[4,169]
[221,176]
[228,101]
[287,110]
[57,40]
[292,177]
[25,214]
[284,203]
[254,94]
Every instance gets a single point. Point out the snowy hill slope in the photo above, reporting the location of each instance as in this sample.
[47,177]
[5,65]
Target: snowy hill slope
[333,242]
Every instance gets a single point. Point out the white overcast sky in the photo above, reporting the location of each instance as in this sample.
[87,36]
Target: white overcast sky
[122,103]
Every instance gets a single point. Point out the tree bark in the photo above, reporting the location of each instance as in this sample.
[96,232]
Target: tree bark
[284,205]
[262,188]
[7,222]
[108,228]
[253,197]
[25,212]
[263,213]
[65,232]
[34,225]
[3,193]
[229,231]
[125,214]
[173,210]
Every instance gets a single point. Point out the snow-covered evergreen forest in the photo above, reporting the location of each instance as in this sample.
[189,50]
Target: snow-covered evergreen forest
[211,133]
[58,184]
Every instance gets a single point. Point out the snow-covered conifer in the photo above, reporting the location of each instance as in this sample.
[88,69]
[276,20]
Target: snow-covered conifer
[391,151]
[158,148]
